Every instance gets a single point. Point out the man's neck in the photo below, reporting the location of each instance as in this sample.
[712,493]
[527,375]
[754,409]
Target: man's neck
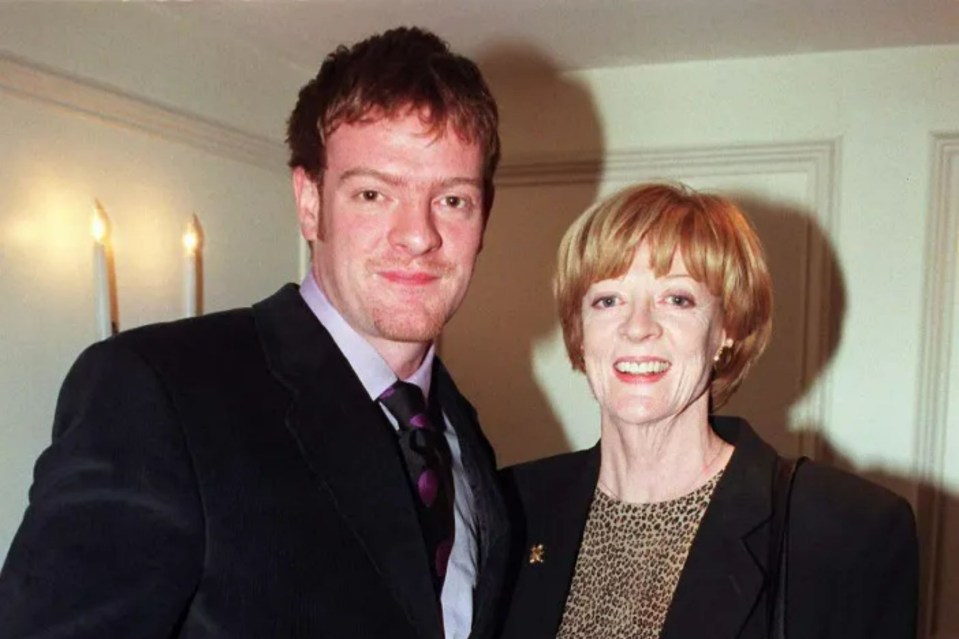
[404,358]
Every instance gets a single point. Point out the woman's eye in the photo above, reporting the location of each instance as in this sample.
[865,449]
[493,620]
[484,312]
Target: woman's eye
[369,195]
[680,301]
[606,301]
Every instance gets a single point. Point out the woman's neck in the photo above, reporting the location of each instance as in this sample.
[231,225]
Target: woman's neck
[661,461]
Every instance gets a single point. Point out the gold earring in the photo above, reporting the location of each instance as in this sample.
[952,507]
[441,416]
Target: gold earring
[722,349]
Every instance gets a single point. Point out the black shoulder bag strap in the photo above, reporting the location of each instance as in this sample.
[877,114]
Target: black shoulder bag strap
[777,564]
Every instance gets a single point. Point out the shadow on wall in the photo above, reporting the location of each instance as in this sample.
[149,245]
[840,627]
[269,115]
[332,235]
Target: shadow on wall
[510,303]
[781,394]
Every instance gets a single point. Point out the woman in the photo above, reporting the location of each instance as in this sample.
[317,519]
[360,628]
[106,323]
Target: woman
[664,528]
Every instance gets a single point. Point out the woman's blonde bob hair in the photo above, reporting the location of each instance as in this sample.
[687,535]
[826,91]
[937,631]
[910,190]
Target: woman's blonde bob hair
[718,245]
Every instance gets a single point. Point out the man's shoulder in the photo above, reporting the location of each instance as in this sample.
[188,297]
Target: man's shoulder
[189,349]
[228,329]
[204,326]
[197,335]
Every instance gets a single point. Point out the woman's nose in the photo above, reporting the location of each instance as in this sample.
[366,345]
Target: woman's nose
[641,322]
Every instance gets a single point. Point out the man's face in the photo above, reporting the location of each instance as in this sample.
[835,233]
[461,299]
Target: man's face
[396,223]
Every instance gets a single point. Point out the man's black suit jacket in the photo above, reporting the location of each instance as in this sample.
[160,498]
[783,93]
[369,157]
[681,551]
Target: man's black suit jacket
[852,550]
[229,477]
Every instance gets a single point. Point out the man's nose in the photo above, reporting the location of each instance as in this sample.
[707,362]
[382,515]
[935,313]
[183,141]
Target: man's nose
[414,228]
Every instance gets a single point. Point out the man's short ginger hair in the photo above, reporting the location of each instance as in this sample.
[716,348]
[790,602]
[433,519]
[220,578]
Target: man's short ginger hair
[719,247]
[401,71]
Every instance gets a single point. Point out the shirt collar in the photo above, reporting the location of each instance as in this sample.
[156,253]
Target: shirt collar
[373,371]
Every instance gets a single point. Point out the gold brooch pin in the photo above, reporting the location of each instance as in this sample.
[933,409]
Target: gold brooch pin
[536,554]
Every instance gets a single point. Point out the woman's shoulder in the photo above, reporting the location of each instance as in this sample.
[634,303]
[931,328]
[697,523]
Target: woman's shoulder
[836,504]
[853,555]
[548,470]
[544,480]
[825,497]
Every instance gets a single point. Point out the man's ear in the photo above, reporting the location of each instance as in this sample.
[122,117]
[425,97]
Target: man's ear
[488,196]
[306,192]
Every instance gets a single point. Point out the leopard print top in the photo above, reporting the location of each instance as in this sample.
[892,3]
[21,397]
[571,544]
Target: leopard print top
[629,564]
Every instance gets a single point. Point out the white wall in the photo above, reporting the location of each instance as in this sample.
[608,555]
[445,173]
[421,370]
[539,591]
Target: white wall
[149,52]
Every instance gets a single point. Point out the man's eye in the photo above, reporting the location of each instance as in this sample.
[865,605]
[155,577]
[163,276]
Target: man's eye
[369,195]
[455,201]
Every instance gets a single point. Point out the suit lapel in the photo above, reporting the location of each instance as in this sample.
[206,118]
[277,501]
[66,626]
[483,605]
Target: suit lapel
[351,449]
[492,528]
[724,574]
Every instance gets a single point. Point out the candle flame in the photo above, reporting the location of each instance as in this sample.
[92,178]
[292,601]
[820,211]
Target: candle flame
[191,237]
[100,224]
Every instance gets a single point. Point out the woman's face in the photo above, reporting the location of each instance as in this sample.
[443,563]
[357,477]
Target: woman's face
[649,342]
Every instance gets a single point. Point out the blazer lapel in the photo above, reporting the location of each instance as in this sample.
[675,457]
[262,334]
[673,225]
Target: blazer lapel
[351,449]
[492,527]
[724,574]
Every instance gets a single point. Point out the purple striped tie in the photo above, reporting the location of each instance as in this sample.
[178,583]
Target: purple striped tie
[428,463]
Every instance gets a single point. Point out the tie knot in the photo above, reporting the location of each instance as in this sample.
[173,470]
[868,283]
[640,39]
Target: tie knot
[405,402]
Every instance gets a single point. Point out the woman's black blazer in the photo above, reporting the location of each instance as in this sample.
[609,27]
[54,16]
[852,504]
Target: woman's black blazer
[853,558]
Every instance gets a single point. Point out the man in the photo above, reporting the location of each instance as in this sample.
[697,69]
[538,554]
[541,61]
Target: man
[249,474]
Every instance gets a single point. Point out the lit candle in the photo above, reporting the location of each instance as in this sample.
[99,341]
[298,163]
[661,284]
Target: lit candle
[100,228]
[192,268]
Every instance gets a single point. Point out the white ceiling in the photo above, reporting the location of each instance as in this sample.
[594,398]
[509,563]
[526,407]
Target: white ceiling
[577,34]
